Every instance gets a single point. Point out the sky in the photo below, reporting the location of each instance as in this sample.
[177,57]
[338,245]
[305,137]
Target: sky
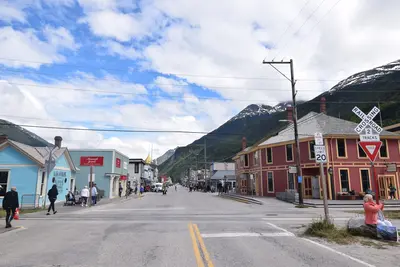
[175,65]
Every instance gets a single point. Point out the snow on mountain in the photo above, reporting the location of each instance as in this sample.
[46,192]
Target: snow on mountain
[160,160]
[258,110]
[368,76]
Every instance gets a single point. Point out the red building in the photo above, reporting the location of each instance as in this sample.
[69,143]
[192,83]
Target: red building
[263,169]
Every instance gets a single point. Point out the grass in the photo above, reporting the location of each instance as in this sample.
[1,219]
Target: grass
[389,214]
[329,231]
[323,229]
[25,211]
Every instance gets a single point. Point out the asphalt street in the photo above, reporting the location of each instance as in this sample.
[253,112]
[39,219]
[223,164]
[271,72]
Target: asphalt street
[178,229]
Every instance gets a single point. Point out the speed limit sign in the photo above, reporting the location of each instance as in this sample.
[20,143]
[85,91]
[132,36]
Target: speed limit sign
[320,154]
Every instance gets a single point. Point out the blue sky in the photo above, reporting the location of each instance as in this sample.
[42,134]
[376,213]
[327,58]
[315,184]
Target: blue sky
[171,64]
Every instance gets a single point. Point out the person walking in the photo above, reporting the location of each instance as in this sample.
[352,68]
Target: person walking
[94,195]
[120,190]
[392,191]
[85,195]
[52,194]
[10,204]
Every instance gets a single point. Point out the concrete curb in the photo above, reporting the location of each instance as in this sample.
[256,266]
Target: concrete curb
[243,199]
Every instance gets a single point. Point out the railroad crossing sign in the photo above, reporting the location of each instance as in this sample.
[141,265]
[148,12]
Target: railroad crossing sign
[319,148]
[371,149]
[367,120]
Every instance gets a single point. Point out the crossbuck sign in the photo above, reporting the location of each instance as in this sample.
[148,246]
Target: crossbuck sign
[367,120]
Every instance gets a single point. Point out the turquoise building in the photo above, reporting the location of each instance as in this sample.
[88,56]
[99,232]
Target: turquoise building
[25,167]
[110,168]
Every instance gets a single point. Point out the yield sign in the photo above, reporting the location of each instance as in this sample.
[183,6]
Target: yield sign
[371,149]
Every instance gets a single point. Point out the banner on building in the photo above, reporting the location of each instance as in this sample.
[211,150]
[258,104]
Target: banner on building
[118,163]
[92,161]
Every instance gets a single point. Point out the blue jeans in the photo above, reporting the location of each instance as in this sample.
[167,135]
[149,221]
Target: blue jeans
[94,199]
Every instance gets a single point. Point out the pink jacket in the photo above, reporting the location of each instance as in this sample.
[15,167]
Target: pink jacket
[371,212]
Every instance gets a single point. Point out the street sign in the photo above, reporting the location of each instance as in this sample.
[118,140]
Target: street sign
[371,149]
[292,169]
[319,140]
[320,154]
[367,120]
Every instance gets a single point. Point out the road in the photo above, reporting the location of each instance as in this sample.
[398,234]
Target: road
[178,229]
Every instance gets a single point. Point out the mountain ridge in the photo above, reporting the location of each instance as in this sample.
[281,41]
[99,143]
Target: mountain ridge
[378,86]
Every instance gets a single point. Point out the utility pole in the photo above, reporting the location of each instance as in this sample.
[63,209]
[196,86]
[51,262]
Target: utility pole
[90,186]
[50,164]
[205,160]
[296,134]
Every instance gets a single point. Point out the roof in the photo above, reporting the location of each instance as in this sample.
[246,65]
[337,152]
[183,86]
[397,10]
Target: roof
[41,154]
[148,160]
[218,175]
[136,161]
[317,122]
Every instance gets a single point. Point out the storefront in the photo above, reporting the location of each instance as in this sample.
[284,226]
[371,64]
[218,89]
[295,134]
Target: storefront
[109,170]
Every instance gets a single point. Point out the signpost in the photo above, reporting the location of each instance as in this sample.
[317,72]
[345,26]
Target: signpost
[320,157]
[369,142]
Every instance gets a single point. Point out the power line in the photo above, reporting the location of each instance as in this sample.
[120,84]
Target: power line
[115,130]
[290,24]
[174,96]
[319,21]
[298,30]
[119,81]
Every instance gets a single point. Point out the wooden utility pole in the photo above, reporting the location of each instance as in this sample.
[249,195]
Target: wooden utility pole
[90,186]
[296,134]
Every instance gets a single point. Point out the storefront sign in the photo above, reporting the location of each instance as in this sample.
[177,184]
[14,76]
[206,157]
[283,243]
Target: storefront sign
[92,161]
[123,178]
[118,163]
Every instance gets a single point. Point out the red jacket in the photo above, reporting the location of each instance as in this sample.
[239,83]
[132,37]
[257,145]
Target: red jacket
[371,212]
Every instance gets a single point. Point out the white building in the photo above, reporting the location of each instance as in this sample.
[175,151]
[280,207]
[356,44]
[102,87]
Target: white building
[136,170]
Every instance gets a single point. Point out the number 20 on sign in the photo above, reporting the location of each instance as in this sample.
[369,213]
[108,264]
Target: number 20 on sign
[320,154]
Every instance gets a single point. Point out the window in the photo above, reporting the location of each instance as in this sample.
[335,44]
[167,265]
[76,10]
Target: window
[3,182]
[255,157]
[341,147]
[246,160]
[344,180]
[383,151]
[269,155]
[311,145]
[365,180]
[42,183]
[289,152]
[361,153]
[270,177]
[291,180]
[136,167]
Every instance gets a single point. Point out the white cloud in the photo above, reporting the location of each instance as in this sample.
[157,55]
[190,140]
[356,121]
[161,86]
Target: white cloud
[207,40]
[30,50]
[115,48]
[10,13]
[170,85]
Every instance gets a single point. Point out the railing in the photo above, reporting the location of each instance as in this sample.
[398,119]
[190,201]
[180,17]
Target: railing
[29,201]
[290,195]
[240,198]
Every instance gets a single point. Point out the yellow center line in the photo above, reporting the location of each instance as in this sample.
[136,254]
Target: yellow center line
[203,246]
[195,247]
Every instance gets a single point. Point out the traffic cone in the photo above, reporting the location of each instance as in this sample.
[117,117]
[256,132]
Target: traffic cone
[16,215]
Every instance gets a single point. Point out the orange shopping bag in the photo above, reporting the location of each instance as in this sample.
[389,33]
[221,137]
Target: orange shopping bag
[16,215]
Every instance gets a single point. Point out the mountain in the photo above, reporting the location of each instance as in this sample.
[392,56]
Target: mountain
[19,134]
[379,87]
[160,160]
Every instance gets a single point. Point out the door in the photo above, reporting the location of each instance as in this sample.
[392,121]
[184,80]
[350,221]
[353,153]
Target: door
[307,187]
[384,183]
[315,187]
